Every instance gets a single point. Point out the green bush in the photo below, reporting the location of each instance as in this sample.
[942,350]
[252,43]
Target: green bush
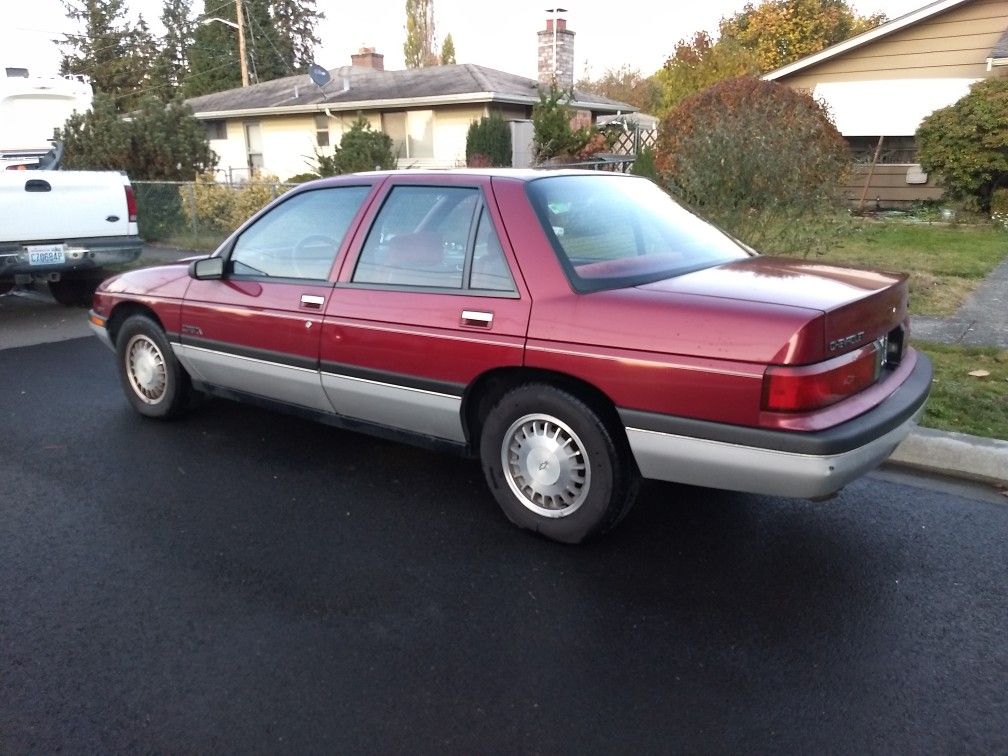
[763,161]
[488,142]
[999,207]
[644,164]
[360,149]
[552,135]
[159,210]
[966,144]
[222,207]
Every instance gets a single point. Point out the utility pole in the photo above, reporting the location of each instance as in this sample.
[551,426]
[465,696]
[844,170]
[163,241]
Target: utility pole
[241,43]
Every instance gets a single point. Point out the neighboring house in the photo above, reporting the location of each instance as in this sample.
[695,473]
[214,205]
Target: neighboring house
[277,127]
[881,85]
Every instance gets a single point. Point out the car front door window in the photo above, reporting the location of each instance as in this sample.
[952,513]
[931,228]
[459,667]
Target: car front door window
[299,238]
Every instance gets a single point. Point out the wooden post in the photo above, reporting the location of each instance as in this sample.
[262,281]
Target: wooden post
[871,172]
[241,43]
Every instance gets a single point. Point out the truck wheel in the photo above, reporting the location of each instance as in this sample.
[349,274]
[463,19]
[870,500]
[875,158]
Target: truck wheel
[75,291]
[154,381]
[554,466]
[5,286]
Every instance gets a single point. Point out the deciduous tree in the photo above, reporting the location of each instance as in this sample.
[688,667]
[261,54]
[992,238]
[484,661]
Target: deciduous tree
[625,84]
[419,46]
[698,63]
[778,32]
[448,51]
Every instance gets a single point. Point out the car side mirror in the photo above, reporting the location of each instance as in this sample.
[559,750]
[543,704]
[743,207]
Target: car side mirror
[206,269]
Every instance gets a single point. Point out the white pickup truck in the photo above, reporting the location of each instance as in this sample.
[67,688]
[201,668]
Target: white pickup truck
[63,228]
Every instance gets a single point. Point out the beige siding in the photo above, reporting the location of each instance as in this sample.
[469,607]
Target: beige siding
[954,44]
[888,187]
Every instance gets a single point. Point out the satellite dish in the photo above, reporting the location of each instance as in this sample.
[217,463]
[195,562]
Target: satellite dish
[319,75]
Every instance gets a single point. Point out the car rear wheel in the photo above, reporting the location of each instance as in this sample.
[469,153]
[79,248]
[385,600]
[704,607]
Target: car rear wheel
[554,466]
[154,381]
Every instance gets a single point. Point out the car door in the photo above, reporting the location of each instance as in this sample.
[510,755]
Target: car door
[256,329]
[428,299]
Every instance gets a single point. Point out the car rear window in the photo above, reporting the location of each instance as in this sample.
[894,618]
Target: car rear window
[614,231]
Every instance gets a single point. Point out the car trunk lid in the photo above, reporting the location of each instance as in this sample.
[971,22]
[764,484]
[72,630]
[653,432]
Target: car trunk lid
[858,306]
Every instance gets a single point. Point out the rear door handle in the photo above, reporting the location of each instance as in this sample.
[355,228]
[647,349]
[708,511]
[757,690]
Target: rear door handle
[312,302]
[477,318]
[37,185]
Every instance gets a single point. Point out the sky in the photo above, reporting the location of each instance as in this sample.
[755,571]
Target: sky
[609,34]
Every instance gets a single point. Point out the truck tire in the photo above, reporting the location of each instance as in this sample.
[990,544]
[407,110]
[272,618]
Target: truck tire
[154,381]
[75,290]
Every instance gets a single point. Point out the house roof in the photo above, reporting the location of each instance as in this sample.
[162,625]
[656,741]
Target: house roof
[370,89]
[860,40]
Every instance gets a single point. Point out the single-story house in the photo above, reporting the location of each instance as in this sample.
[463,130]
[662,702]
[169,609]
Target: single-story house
[881,84]
[277,127]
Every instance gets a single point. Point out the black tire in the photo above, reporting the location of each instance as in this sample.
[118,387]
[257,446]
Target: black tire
[568,497]
[5,286]
[75,291]
[152,378]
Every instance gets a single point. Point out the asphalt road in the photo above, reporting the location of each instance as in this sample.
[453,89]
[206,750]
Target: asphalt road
[244,581]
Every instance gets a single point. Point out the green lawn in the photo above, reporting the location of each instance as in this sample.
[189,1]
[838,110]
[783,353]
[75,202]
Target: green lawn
[945,262]
[965,403]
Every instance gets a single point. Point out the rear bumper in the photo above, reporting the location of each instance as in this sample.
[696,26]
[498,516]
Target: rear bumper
[777,463]
[79,254]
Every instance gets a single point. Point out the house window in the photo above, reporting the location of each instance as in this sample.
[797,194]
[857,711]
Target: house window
[896,150]
[412,133]
[215,129]
[322,130]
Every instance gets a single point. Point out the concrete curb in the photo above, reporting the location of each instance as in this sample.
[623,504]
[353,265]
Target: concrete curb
[954,454]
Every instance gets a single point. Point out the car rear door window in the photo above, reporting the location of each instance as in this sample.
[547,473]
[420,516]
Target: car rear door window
[420,238]
[489,269]
[300,237]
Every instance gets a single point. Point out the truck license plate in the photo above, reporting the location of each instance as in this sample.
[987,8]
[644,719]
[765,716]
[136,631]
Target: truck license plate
[47,254]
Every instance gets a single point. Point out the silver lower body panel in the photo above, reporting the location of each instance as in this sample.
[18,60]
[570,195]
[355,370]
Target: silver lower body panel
[716,464]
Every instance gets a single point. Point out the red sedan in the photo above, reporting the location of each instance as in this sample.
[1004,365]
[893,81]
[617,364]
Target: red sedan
[575,330]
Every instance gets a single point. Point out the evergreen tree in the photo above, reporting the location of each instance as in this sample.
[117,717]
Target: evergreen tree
[172,65]
[448,51]
[118,56]
[213,55]
[295,24]
[419,46]
[158,143]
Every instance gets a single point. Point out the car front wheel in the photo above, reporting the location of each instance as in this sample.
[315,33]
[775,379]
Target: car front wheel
[554,466]
[154,381]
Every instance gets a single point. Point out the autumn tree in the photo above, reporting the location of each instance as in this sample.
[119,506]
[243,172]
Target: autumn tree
[778,32]
[117,54]
[698,63]
[625,84]
[419,46]
[448,51]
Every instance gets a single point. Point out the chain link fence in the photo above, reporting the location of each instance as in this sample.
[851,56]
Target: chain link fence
[198,214]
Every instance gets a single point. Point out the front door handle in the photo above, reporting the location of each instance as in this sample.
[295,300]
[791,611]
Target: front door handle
[312,302]
[477,318]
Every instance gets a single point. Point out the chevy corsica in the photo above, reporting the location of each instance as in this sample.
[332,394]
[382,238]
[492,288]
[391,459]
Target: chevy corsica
[575,330]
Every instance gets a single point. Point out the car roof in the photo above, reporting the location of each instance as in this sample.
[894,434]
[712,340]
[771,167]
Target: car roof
[520,174]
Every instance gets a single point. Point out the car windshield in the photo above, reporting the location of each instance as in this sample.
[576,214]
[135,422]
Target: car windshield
[613,231]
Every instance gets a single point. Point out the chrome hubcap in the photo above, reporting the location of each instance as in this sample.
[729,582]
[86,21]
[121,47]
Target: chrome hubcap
[145,368]
[545,465]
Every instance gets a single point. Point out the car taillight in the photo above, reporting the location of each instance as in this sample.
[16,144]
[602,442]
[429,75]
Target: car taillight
[131,206]
[810,387]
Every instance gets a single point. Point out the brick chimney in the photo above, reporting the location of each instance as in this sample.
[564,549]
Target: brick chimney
[366,57]
[562,74]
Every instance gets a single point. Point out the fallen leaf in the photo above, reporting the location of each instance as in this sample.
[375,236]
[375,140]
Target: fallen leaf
[979,373]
